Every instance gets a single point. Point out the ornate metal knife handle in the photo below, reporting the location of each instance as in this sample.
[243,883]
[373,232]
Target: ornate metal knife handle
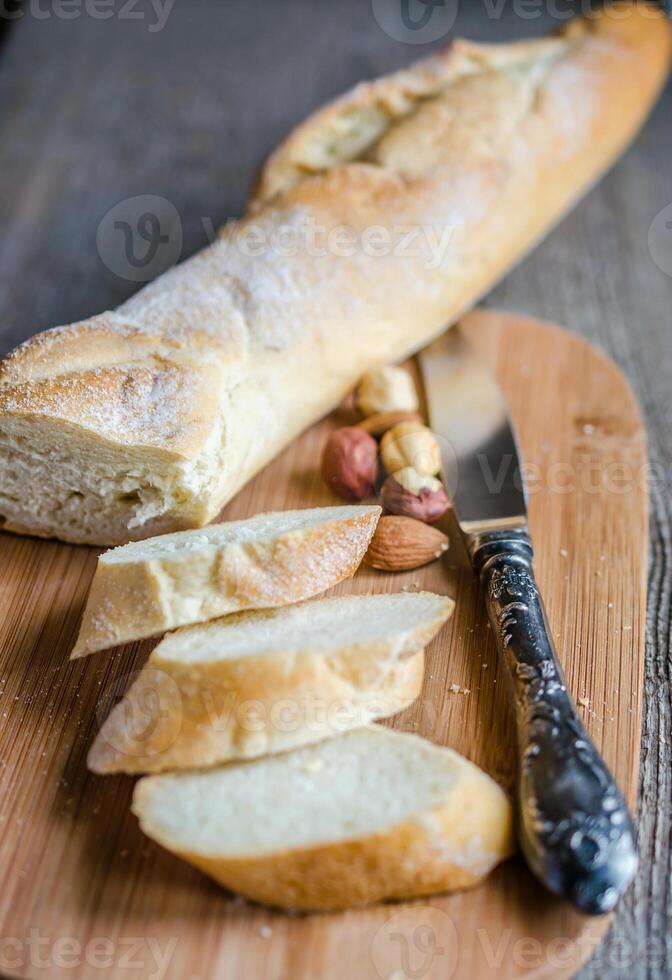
[573,824]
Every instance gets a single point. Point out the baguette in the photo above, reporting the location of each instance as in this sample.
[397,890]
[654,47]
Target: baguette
[263,682]
[149,418]
[145,588]
[370,815]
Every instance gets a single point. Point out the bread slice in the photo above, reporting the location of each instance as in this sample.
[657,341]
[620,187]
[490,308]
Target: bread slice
[145,588]
[370,815]
[267,681]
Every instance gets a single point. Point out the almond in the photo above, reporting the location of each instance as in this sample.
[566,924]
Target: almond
[402,543]
[377,425]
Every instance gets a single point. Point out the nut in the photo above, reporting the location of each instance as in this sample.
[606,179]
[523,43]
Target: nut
[414,494]
[386,389]
[350,463]
[377,425]
[401,543]
[411,444]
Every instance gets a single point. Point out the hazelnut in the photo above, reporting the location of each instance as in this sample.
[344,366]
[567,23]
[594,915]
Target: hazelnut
[350,463]
[414,494]
[411,444]
[386,389]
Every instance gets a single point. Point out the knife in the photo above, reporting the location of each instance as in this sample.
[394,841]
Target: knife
[572,821]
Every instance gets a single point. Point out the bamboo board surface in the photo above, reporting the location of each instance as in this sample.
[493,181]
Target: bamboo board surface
[83,894]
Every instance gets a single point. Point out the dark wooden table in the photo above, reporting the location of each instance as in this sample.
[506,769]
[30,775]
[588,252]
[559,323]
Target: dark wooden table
[96,111]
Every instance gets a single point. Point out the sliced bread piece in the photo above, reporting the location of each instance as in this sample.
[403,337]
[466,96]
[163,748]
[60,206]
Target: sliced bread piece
[147,587]
[267,681]
[370,815]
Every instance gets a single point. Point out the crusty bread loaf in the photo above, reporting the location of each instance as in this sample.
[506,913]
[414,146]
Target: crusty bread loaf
[147,587]
[148,419]
[266,681]
[370,815]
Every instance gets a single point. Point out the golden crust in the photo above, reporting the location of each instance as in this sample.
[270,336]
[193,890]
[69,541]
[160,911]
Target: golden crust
[433,852]
[201,716]
[196,714]
[381,101]
[477,151]
[132,600]
[130,414]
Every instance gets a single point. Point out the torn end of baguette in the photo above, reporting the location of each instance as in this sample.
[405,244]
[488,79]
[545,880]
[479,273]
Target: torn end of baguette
[148,587]
[263,682]
[106,436]
[371,815]
[59,481]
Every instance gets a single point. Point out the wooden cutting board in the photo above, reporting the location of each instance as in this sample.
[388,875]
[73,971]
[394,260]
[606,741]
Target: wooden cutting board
[83,894]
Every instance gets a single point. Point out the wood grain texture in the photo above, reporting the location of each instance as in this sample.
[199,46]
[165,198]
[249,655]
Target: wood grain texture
[95,111]
[73,861]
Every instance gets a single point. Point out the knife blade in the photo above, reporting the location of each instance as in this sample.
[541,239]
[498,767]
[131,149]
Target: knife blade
[480,455]
[573,824]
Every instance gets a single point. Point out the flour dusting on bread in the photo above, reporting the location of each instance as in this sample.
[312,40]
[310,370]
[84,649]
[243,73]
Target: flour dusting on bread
[149,419]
